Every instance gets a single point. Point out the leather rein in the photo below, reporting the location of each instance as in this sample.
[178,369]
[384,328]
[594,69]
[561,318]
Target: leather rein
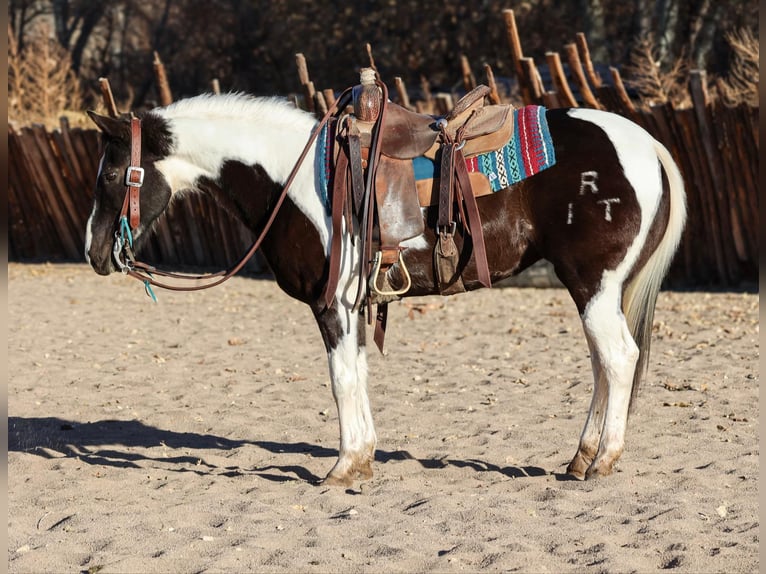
[130,217]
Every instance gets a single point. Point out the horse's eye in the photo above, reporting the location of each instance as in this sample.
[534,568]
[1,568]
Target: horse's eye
[110,176]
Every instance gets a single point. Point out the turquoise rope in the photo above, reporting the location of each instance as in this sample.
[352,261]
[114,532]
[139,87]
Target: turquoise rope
[125,230]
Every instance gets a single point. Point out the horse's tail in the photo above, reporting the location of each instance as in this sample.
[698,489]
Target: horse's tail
[640,294]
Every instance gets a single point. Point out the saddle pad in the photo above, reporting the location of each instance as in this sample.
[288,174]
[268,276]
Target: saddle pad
[323,164]
[529,151]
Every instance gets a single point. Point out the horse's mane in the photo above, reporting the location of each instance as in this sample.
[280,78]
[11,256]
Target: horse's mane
[234,105]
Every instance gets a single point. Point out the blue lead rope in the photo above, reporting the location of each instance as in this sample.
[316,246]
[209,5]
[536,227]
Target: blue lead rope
[149,290]
[126,233]
[125,230]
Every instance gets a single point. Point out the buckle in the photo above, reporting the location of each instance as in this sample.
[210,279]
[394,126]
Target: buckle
[129,174]
[446,229]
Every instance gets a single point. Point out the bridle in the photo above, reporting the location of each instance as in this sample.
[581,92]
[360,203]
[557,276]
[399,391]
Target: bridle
[130,217]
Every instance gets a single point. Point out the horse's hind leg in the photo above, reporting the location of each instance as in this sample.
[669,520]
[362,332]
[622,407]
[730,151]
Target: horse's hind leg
[614,355]
[591,434]
[343,333]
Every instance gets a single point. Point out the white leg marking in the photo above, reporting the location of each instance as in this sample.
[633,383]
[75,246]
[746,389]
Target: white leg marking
[89,226]
[617,355]
[591,433]
[348,372]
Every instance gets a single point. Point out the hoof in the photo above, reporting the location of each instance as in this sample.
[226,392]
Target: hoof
[579,466]
[338,480]
[346,477]
[599,468]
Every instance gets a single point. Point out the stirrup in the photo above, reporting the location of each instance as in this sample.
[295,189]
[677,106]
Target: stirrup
[376,271]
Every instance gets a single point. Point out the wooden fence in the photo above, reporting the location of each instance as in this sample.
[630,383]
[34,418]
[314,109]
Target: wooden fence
[715,145]
[52,175]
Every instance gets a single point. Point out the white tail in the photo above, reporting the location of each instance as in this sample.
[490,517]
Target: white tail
[641,294]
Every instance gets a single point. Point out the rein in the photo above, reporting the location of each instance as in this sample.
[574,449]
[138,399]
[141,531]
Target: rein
[129,218]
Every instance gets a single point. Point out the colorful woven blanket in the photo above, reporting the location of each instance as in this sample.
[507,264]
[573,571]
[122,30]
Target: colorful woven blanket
[529,151]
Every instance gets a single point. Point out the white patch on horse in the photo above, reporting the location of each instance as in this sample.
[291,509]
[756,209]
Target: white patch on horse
[348,373]
[89,225]
[209,130]
[588,181]
[638,158]
[570,213]
[608,206]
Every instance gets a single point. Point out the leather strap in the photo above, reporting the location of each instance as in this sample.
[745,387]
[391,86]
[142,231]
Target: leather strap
[355,163]
[446,185]
[381,318]
[474,219]
[135,177]
[338,200]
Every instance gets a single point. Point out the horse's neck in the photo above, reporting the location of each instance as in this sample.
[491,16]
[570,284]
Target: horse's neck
[202,146]
[208,150]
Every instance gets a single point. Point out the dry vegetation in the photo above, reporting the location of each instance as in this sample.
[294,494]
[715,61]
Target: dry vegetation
[655,83]
[41,84]
[741,83]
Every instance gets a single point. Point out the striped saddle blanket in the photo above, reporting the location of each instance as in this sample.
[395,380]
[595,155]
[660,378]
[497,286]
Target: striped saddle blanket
[529,151]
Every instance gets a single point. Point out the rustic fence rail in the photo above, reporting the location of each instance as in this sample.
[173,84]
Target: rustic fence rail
[52,175]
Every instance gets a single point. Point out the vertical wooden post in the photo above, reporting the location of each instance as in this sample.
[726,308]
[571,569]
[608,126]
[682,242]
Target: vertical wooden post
[368,47]
[512,33]
[401,91]
[565,95]
[582,44]
[575,65]
[215,86]
[308,86]
[535,88]
[469,80]
[329,97]
[622,93]
[321,104]
[494,96]
[162,81]
[106,95]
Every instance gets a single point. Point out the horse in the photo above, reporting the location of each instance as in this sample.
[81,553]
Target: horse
[608,215]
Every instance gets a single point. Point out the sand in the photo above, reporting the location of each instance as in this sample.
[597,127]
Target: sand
[191,435]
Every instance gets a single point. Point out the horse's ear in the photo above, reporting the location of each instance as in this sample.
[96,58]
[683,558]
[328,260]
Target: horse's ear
[111,127]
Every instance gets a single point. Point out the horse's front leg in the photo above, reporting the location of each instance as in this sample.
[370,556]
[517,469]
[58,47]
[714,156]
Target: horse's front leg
[343,332]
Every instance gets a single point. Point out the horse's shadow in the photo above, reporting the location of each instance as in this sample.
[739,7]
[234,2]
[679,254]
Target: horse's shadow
[118,444]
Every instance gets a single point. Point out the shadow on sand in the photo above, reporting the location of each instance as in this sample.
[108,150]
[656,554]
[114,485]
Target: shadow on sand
[131,444]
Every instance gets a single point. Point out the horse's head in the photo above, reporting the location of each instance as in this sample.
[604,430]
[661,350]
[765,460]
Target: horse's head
[110,193]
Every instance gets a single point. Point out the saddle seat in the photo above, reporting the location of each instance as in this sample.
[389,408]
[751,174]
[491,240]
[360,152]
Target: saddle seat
[407,135]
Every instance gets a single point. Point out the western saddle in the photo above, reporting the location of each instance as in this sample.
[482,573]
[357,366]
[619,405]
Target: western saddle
[374,188]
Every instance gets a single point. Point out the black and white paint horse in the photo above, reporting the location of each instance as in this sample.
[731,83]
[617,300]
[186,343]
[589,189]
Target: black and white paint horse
[608,215]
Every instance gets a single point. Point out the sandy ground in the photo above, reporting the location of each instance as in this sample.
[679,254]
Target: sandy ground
[189,436]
